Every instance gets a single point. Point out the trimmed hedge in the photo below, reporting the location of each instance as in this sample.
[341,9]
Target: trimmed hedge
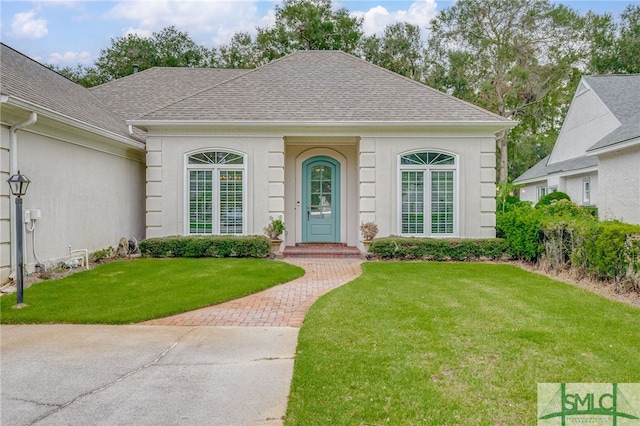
[207,246]
[409,248]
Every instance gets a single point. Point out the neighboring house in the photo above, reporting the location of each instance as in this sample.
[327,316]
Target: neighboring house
[596,159]
[87,172]
[322,139]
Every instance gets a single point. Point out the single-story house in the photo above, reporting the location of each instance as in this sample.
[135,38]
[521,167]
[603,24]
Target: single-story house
[321,139]
[596,158]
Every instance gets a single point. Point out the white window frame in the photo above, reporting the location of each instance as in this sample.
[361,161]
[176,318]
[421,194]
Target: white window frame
[541,191]
[586,191]
[427,169]
[216,169]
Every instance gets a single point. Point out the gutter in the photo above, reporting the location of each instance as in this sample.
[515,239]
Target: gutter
[13,169]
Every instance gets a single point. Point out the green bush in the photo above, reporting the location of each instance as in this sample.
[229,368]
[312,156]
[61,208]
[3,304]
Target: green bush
[410,248]
[609,253]
[521,227]
[207,246]
[551,198]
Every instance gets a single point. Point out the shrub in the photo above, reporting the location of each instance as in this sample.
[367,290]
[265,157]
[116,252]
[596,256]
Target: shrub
[206,246]
[275,228]
[610,253]
[410,248]
[100,255]
[522,229]
[369,230]
[551,198]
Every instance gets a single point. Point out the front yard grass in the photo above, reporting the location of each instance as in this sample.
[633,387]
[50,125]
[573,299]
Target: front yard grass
[453,343]
[125,292]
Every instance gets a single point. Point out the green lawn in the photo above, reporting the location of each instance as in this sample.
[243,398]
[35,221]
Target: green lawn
[453,343]
[125,292]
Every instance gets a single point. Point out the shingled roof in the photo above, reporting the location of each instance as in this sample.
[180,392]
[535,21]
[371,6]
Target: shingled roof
[621,94]
[143,92]
[320,86]
[26,80]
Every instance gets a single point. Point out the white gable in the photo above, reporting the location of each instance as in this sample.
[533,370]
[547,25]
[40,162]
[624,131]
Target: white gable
[587,121]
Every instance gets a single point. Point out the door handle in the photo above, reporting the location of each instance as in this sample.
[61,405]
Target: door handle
[308,214]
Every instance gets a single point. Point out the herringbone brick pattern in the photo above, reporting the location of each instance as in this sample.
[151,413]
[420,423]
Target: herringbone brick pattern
[281,306]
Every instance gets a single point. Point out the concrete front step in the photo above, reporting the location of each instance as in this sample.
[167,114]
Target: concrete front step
[322,250]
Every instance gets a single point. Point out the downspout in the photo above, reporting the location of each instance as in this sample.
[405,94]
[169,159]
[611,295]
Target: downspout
[13,169]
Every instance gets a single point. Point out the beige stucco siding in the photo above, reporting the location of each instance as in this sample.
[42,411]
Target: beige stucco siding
[475,181]
[167,179]
[89,198]
[619,173]
[369,166]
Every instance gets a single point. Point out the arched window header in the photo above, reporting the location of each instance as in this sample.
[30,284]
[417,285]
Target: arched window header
[216,157]
[428,158]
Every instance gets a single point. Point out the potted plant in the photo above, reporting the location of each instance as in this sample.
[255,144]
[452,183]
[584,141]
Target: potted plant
[369,231]
[274,229]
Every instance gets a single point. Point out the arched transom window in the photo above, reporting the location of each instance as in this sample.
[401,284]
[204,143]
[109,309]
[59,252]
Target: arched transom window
[428,188]
[216,192]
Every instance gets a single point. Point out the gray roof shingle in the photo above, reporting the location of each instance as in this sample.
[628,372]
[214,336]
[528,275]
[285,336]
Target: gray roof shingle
[621,94]
[542,169]
[321,86]
[138,94]
[26,79]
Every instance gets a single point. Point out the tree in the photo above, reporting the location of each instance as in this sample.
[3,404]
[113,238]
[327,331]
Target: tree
[167,48]
[400,50]
[239,53]
[614,47]
[308,25]
[513,57]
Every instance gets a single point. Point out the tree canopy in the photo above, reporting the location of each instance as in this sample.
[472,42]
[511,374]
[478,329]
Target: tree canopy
[521,59]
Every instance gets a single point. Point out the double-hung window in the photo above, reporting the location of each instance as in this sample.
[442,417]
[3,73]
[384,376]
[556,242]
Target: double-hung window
[216,193]
[428,190]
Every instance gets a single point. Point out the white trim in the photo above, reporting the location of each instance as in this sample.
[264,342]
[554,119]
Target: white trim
[615,147]
[70,121]
[586,192]
[558,174]
[497,125]
[216,168]
[427,200]
[328,152]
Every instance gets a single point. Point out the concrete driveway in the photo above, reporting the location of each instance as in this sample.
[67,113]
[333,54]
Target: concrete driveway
[142,375]
[229,364]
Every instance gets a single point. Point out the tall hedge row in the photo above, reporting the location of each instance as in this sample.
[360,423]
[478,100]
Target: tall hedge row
[569,236]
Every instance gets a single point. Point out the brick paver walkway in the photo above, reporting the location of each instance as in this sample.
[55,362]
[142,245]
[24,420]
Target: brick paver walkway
[281,306]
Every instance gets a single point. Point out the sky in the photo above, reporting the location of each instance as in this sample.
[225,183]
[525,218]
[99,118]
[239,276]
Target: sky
[72,32]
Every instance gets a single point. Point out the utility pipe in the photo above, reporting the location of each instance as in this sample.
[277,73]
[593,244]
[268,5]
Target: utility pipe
[13,169]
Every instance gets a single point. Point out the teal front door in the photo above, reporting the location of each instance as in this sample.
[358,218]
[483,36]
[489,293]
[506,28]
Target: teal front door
[321,195]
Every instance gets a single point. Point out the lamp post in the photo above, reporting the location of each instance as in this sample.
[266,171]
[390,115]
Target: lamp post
[18,184]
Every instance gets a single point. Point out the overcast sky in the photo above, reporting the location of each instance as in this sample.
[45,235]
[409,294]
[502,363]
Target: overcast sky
[68,33]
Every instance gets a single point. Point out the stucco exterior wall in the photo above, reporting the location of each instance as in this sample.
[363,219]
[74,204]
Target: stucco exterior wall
[167,179]
[573,187]
[476,187]
[619,173]
[89,198]
[369,176]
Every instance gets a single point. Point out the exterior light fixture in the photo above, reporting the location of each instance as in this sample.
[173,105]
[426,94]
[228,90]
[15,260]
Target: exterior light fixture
[19,184]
